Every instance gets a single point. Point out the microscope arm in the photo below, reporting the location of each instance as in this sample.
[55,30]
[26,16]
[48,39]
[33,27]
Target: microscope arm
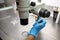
[39,10]
[35,10]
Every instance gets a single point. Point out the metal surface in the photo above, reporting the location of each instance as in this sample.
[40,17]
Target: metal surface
[9,2]
[50,32]
[1,1]
[10,28]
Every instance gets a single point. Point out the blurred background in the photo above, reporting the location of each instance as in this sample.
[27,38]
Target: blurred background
[11,29]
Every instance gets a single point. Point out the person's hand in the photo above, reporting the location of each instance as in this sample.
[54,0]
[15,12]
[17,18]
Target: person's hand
[37,26]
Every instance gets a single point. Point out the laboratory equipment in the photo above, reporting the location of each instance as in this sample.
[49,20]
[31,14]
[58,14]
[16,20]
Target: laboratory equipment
[10,29]
[25,6]
[55,13]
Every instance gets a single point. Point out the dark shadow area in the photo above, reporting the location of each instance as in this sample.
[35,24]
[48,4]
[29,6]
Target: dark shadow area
[0,38]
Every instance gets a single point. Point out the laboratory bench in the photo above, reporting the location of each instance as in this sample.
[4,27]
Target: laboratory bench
[11,29]
[51,31]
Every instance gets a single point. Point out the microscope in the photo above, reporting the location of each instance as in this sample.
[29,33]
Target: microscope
[10,28]
[25,7]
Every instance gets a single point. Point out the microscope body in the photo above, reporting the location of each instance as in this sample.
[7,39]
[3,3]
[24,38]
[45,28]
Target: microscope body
[25,7]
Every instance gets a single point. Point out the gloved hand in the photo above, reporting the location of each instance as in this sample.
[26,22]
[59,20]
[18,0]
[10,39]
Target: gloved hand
[37,26]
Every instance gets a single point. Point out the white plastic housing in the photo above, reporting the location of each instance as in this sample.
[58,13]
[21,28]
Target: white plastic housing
[23,8]
[24,3]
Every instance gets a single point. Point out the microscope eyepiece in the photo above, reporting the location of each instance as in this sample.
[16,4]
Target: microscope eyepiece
[44,13]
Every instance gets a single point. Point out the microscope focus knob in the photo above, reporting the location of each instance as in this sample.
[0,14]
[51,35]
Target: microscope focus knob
[44,13]
[33,4]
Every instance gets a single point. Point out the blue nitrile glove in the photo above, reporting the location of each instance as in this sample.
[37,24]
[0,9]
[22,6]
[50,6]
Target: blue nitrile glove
[38,25]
